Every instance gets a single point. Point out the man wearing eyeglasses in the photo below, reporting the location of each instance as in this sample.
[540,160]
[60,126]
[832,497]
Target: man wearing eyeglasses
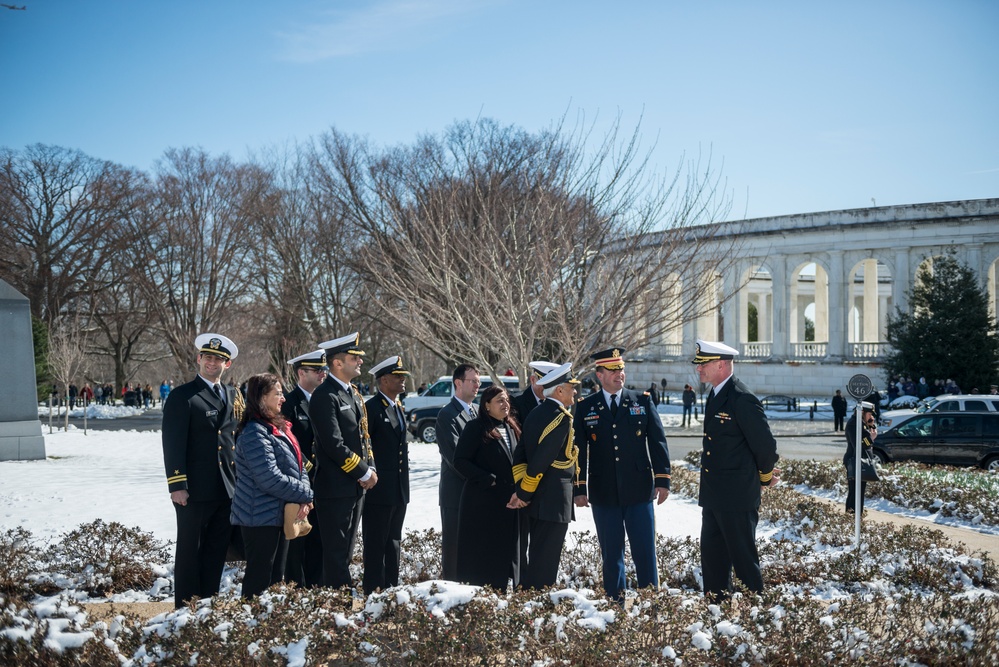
[305,554]
[451,421]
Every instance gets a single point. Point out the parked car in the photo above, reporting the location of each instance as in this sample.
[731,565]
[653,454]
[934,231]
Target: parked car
[439,393]
[942,403]
[952,438]
[423,422]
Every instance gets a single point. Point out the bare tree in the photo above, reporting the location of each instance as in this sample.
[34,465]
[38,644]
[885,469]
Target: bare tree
[309,289]
[61,215]
[67,358]
[491,244]
[193,258]
[123,325]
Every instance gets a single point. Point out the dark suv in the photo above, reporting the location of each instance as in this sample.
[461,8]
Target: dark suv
[952,438]
[423,423]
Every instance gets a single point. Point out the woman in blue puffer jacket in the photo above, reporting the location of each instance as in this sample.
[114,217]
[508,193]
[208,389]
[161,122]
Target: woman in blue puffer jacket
[269,474]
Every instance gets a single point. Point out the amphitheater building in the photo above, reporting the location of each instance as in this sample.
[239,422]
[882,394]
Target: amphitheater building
[807,303]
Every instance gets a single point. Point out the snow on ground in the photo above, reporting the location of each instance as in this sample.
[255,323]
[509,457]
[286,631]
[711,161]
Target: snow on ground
[93,411]
[119,476]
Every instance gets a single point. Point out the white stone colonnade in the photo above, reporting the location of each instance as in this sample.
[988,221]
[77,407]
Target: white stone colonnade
[817,288]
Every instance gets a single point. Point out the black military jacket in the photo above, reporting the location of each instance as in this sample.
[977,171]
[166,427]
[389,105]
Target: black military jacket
[545,463]
[739,450]
[296,411]
[391,451]
[341,445]
[199,441]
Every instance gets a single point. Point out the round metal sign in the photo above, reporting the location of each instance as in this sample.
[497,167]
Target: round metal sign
[859,386]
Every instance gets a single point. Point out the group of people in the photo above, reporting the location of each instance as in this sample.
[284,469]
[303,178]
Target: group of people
[514,470]
[104,394]
[906,386]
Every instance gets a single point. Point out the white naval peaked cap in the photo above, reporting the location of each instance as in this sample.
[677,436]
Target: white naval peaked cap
[542,368]
[217,344]
[314,359]
[707,350]
[560,375]
[392,365]
[349,344]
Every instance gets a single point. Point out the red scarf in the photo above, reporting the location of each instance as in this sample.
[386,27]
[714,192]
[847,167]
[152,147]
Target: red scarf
[290,437]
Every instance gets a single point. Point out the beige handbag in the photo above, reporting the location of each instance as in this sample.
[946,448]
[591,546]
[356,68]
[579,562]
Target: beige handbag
[292,526]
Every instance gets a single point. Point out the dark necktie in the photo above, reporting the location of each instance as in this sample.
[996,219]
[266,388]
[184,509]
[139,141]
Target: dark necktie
[711,394]
[402,418]
[220,393]
[614,405]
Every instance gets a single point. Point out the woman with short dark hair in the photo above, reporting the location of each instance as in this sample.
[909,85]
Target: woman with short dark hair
[488,532]
[269,474]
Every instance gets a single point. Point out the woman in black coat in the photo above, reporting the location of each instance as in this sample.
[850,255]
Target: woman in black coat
[488,532]
[868,431]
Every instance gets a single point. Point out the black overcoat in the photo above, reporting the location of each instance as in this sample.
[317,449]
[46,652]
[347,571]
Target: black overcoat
[488,532]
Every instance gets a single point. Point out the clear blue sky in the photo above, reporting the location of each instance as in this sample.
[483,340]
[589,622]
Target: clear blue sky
[812,106]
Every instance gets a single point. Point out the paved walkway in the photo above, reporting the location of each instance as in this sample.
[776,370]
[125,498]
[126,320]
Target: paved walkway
[972,539]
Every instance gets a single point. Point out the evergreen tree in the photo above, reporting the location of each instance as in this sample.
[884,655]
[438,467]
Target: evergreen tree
[40,340]
[949,333]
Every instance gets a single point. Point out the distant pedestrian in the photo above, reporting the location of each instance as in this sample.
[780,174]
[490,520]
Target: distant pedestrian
[923,389]
[868,433]
[654,394]
[688,403]
[839,410]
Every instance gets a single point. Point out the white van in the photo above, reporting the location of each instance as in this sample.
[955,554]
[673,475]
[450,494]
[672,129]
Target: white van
[439,393]
[942,403]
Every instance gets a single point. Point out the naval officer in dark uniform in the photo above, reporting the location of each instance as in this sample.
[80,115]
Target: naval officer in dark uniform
[544,480]
[533,396]
[623,466]
[738,460]
[305,554]
[199,428]
[345,467]
[385,505]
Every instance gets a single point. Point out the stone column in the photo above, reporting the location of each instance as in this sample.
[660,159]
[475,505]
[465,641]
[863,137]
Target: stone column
[779,350]
[973,253]
[821,304]
[870,327]
[765,315]
[838,308]
[731,310]
[902,281]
